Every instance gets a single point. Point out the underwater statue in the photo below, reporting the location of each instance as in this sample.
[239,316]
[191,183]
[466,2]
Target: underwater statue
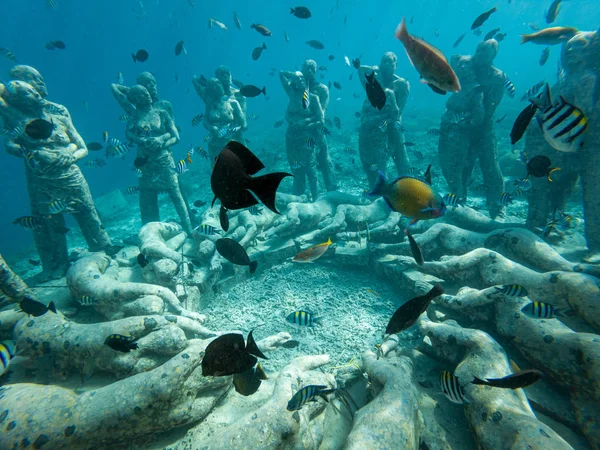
[223,74]
[580,86]
[381,133]
[147,80]
[224,117]
[467,128]
[55,183]
[309,70]
[153,131]
[305,117]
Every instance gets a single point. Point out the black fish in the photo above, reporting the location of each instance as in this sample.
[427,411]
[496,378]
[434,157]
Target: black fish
[141,56]
[258,51]
[231,179]
[331,57]
[247,383]
[539,166]
[318,45]
[482,18]
[375,92]
[337,85]
[199,203]
[545,55]
[34,308]
[414,248]
[516,380]
[459,40]
[491,34]
[229,354]
[94,146]
[235,253]
[290,344]
[224,218]
[142,261]
[409,312]
[121,343]
[59,44]
[301,12]
[179,48]
[261,29]
[140,161]
[522,122]
[252,91]
[39,129]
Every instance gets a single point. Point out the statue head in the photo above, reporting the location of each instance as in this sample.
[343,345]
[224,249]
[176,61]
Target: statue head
[299,82]
[309,70]
[30,75]
[486,52]
[214,89]
[139,97]
[389,62]
[223,74]
[147,80]
[22,95]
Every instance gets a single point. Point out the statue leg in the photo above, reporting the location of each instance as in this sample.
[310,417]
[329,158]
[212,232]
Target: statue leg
[149,205]
[371,143]
[453,151]
[398,150]
[311,174]
[486,146]
[590,180]
[181,208]
[88,220]
[324,163]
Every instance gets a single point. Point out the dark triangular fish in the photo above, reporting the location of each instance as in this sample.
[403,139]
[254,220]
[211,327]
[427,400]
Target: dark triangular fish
[516,380]
[375,92]
[39,129]
[34,308]
[522,122]
[414,248]
[231,179]
[436,89]
[427,175]
[228,355]
[224,218]
[233,252]
[409,312]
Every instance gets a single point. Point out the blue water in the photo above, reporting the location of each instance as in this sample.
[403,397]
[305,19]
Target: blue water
[101,35]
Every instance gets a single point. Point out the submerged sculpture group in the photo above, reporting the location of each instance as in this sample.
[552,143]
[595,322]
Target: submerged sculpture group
[157,304]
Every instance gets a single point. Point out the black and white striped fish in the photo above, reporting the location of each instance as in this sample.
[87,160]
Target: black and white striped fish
[306,99]
[29,222]
[29,157]
[504,199]
[255,210]
[523,183]
[57,206]
[452,388]
[512,290]
[337,122]
[303,318]
[383,125]
[452,200]
[310,143]
[207,230]
[564,125]
[308,394]
[86,300]
[132,190]
[8,54]
[181,167]
[509,86]
[197,119]
[541,310]
[124,118]
[325,131]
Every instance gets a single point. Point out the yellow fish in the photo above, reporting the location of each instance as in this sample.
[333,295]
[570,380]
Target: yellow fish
[411,196]
[312,253]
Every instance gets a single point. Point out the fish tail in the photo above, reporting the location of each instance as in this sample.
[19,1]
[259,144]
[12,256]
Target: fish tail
[253,266]
[553,169]
[264,90]
[264,48]
[479,381]
[265,188]
[318,320]
[133,57]
[401,31]
[379,185]
[292,10]
[525,38]
[189,158]
[252,348]
[436,291]
[52,307]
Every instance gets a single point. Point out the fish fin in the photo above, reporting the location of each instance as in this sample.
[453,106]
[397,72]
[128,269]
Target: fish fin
[265,188]
[479,381]
[52,307]
[264,90]
[402,32]
[379,185]
[428,209]
[133,57]
[249,160]
[253,266]
[412,222]
[564,312]
[213,202]
[252,348]
[435,89]
[328,241]
[223,219]
[554,169]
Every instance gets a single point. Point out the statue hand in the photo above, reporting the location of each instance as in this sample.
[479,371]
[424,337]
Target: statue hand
[356,63]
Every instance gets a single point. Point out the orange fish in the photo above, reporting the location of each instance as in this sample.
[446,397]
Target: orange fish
[312,253]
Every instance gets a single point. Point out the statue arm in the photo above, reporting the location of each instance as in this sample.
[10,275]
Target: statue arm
[325,102]
[12,148]
[316,108]
[77,143]
[199,87]
[238,115]
[286,81]
[401,89]
[493,95]
[171,136]
[120,94]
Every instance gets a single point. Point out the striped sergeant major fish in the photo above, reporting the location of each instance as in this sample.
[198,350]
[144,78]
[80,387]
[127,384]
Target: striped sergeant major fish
[504,199]
[306,99]
[207,230]
[310,143]
[308,394]
[564,125]
[132,190]
[8,351]
[541,310]
[533,91]
[509,87]
[303,318]
[29,222]
[58,206]
[86,300]
[181,167]
[452,389]
[29,157]
[512,290]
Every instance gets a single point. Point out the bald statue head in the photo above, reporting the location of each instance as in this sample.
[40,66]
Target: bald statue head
[223,74]
[30,75]
[389,62]
[147,80]
[139,97]
[309,70]
[22,95]
[486,52]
